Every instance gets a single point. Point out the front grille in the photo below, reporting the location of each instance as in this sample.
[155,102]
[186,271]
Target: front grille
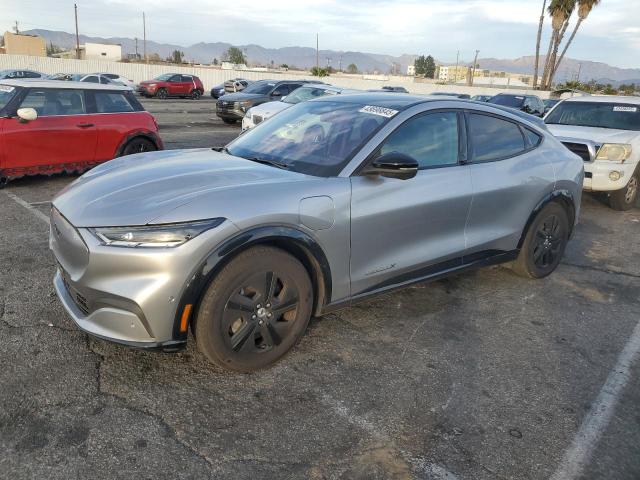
[579,149]
[225,105]
[257,119]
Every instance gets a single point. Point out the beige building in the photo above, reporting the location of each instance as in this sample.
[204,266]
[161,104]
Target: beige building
[411,70]
[94,51]
[512,78]
[451,73]
[17,44]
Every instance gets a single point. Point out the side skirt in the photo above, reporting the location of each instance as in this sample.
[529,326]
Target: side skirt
[431,273]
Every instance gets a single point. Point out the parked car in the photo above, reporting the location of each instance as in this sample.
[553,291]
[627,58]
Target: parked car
[260,113]
[527,103]
[329,202]
[8,74]
[221,89]
[49,126]
[83,77]
[119,79]
[549,103]
[233,106]
[389,88]
[172,85]
[449,94]
[481,98]
[605,132]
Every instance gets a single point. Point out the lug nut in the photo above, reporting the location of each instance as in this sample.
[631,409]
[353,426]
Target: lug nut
[268,305]
[253,316]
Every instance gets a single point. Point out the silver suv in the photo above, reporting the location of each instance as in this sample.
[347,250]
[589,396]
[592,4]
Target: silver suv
[327,203]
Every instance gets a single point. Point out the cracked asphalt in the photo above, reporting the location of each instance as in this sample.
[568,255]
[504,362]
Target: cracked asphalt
[483,375]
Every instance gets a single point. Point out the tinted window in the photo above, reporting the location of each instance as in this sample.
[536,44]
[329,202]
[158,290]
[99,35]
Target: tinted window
[176,78]
[112,102]
[52,102]
[513,101]
[187,78]
[619,116]
[431,139]
[104,80]
[261,88]
[112,76]
[532,138]
[6,93]
[282,89]
[31,75]
[92,79]
[493,138]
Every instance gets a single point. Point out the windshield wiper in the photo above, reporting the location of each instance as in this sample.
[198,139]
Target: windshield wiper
[272,163]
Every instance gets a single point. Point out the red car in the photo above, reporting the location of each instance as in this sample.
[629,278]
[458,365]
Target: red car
[48,126]
[172,85]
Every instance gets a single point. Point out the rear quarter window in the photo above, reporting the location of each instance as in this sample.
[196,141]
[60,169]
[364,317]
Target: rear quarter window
[112,102]
[493,138]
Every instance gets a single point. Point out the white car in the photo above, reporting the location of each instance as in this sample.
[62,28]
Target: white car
[118,79]
[261,112]
[605,132]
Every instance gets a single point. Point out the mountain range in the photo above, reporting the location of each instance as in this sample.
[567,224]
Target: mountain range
[305,57]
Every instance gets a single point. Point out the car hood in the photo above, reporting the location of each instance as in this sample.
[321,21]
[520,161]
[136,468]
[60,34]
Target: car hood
[596,135]
[240,96]
[269,109]
[137,189]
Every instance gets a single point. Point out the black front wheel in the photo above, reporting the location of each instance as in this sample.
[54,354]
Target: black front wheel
[161,94]
[545,243]
[255,310]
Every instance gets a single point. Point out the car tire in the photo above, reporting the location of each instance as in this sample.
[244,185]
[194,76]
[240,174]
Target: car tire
[196,94]
[625,199]
[161,94]
[544,244]
[229,121]
[255,310]
[138,145]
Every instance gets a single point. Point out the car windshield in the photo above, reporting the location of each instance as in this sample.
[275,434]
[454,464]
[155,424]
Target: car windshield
[261,88]
[6,94]
[315,138]
[164,77]
[513,101]
[306,93]
[619,116]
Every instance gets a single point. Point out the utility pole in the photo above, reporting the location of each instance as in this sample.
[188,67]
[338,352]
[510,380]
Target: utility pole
[136,48]
[317,56]
[457,62]
[144,41]
[578,75]
[16,28]
[340,63]
[75,8]
[473,71]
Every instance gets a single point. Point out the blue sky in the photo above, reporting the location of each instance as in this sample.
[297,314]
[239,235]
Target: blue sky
[498,28]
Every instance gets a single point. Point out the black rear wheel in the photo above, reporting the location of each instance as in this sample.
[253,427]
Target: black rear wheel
[255,310]
[138,145]
[544,244]
[196,94]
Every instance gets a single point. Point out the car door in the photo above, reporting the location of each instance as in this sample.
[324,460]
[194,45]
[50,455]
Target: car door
[188,84]
[175,85]
[63,132]
[509,176]
[407,229]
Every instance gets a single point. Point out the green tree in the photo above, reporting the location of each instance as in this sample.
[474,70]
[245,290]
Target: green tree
[215,61]
[429,67]
[176,57]
[319,72]
[537,64]
[560,11]
[235,55]
[352,68]
[53,49]
[420,65]
[284,66]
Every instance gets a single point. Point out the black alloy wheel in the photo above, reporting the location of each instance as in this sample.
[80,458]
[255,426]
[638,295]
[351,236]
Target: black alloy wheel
[138,145]
[162,93]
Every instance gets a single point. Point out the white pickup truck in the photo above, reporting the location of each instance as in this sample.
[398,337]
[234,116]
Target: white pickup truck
[605,132]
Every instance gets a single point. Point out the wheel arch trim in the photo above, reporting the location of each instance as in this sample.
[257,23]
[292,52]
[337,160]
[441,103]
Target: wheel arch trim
[293,240]
[563,196]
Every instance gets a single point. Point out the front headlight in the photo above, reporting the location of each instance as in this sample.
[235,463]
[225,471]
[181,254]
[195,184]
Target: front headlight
[245,104]
[154,236]
[614,152]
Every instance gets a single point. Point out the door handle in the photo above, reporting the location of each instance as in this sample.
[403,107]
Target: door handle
[84,125]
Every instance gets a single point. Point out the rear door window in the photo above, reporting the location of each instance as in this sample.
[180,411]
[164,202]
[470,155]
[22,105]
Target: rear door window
[92,79]
[112,102]
[51,102]
[493,138]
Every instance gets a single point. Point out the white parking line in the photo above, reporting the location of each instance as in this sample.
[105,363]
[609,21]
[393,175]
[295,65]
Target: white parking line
[28,206]
[578,456]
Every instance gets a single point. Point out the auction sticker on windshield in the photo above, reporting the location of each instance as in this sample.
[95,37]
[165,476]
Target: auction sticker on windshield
[625,109]
[383,112]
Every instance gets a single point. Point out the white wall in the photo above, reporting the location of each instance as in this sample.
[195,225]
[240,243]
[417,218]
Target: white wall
[101,51]
[213,76]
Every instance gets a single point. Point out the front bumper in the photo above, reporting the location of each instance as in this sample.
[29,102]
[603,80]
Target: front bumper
[597,175]
[129,296]
[147,91]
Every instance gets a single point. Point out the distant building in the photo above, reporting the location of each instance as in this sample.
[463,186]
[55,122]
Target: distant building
[233,66]
[411,70]
[504,81]
[515,78]
[94,51]
[18,44]
[451,73]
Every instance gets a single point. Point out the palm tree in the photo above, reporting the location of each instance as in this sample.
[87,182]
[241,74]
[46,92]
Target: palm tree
[584,9]
[535,73]
[560,11]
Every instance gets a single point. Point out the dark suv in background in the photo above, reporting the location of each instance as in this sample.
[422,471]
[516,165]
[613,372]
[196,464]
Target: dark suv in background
[527,103]
[232,106]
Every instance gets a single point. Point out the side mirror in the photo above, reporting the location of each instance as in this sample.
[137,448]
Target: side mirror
[394,165]
[276,93]
[27,114]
